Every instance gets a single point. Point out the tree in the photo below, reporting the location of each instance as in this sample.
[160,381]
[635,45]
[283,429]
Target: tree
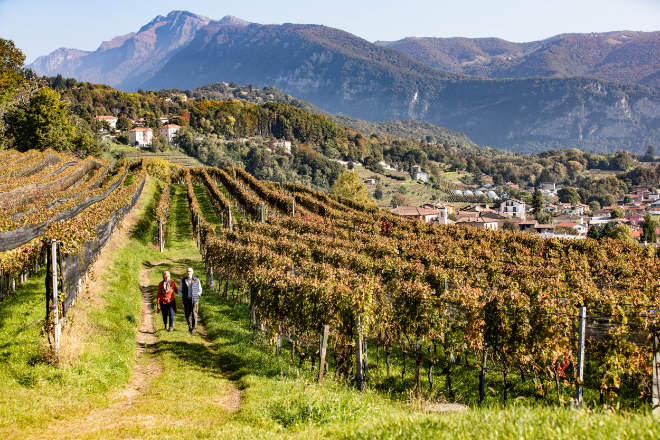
[378,192]
[569,195]
[543,217]
[397,200]
[649,226]
[537,201]
[594,205]
[650,154]
[509,226]
[11,69]
[43,123]
[349,185]
[158,144]
[123,123]
[123,138]
[617,213]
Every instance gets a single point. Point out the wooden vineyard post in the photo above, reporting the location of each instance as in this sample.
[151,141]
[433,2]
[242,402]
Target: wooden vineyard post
[262,210]
[293,207]
[323,350]
[230,226]
[580,367]
[359,377]
[56,319]
[656,376]
[160,235]
[482,377]
[199,233]
[211,277]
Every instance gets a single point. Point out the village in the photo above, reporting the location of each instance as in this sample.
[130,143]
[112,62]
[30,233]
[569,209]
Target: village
[566,220]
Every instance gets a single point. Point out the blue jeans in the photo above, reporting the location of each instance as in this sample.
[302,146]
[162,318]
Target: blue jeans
[168,312]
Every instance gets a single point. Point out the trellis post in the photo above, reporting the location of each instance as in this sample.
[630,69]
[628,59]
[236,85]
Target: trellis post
[359,377]
[580,367]
[482,376]
[230,226]
[656,376]
[293,207]
[56,319]
[262,209]
[323,350]
[160,234]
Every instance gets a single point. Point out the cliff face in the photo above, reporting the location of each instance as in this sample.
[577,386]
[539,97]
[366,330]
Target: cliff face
[341,73]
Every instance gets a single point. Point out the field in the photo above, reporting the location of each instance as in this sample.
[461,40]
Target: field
[119,375]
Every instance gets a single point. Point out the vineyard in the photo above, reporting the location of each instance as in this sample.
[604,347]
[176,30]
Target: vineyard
[330,277]
[58,212]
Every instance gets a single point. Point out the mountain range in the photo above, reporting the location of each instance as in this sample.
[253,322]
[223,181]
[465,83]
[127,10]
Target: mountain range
[632,57]
[342,73]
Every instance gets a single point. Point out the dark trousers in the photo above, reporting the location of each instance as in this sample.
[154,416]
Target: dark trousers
[168,312]
[191,310]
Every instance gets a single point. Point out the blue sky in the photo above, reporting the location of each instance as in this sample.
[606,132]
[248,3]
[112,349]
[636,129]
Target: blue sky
[40,26]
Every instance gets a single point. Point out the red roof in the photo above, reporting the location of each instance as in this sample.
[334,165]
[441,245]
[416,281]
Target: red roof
[141,129]
[171,126]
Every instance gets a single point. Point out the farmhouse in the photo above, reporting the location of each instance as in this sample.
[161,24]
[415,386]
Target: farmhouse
[110,120]
[514,207]
[140,136]
[426,214]
[169,131]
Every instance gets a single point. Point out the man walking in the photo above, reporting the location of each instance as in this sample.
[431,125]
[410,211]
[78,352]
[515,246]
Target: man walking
[191,290]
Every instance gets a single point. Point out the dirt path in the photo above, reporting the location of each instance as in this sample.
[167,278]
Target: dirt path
[127,410]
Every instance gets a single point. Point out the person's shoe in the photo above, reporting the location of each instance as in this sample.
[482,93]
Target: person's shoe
[170,329]
[193,331]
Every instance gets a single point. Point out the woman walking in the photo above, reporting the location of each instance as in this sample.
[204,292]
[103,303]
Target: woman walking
[165,301]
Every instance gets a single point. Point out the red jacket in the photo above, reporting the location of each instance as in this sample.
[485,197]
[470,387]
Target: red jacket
[166,297]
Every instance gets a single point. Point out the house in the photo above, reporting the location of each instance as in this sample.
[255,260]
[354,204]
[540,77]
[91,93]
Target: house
[280,144]
[417,174]
[140,136]
[527,225]
[386,166]
[422,213]
[654,208]
[110,120]
[548,186]
[479,222]
[541,228]
[514,207]
[169,131]
[370,181]
[163,121]
[579,228]
[180,96]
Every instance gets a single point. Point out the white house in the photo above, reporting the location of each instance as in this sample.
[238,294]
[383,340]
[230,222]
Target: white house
[280,144]
[110,120]
[140,136]
[418,174]
[169,131]
[514,207]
